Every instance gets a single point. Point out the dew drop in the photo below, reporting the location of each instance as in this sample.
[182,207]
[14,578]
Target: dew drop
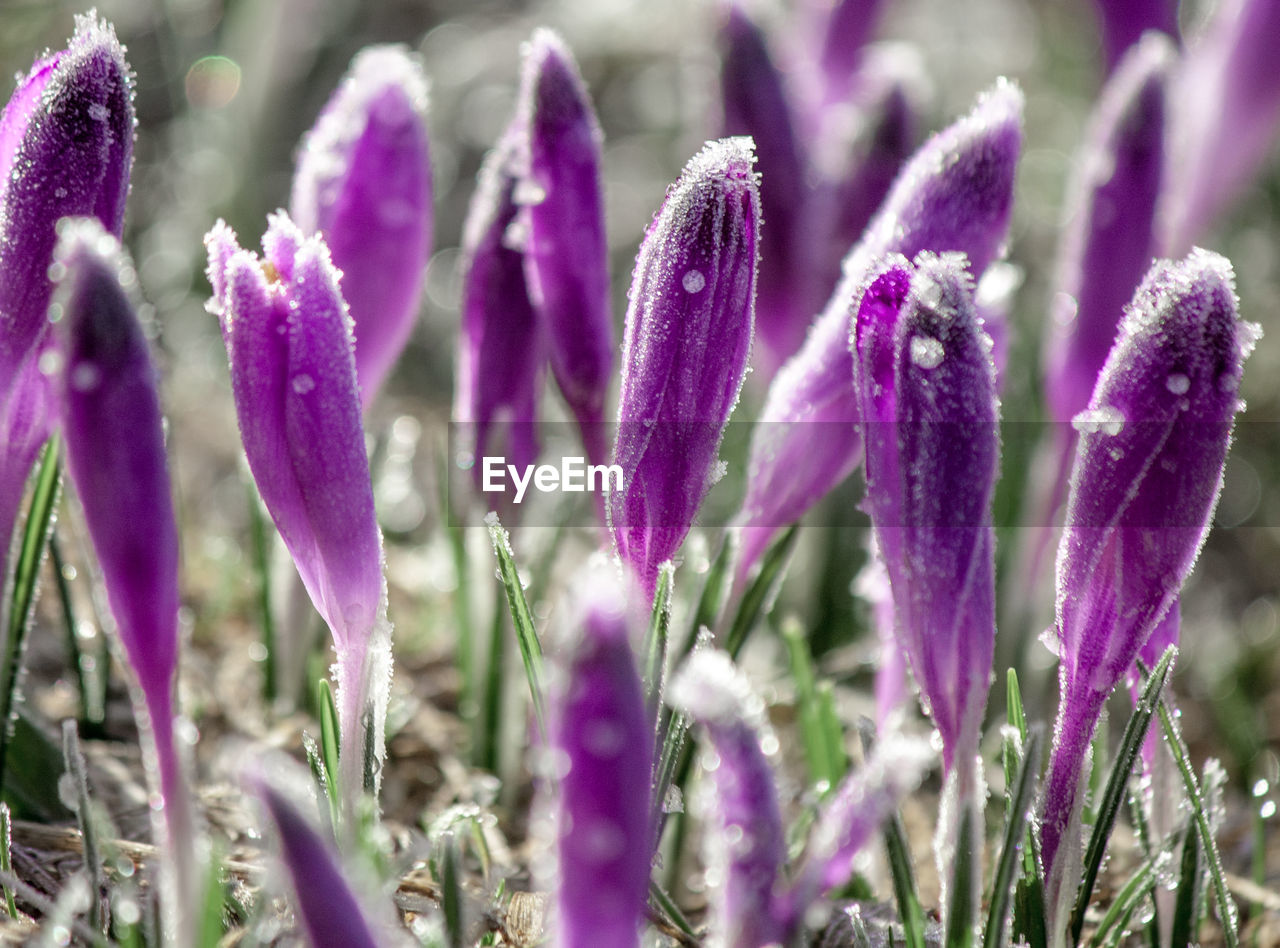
[85,377]
[928,292]
[693,281]
[1107,419]
[529,192]
[98,112]
[1177,383]
[926,351]
[59,193]
[303,383]
[50,362]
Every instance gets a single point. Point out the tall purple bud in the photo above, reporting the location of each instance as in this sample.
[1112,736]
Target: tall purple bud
[602,733]
[1108,243]
[66,149]
[1228,95]
[688,338]
[293,376]
[566,254]
[954,194]
[502,351]
[745,842]
[1148,469]
[926,391]
[848,27]
[1124,21]
[364,182]
[106,394]
[755,103]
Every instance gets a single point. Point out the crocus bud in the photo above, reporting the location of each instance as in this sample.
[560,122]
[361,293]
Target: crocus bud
[502,352]
[566,255]
[848,26]
[603,735]
[954,194]
[106,393]
[66,149]
[324,901]
[926,392]
[1124,21]
[1108,243]
[364,183]
[1148,469]
[755,104]
[688,337]
[872,585]
[293,375]
[1228,95]
[745,842]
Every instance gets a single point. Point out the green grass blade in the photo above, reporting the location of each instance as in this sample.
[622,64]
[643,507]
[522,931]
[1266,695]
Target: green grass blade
[1021,799]
[656,639]
[6,857]
[259,536]
[212,927]
[35,538]
[488,745]
[1227,913]
[521,617]
[1184,913]
[86,669]
[315,760]
[712,598]
[451,898]
[963,911]
[904,883]
[1117,786]
[666,905]
[1016,716]
[328,738]
[75,768]
[1138,887]
[824,759]
[758,593]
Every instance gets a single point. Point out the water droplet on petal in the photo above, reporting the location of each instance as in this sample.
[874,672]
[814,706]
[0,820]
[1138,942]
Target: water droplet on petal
[693,281]
[85,377]
[1177,383]
[303,383]
[1106,419]
[926,351]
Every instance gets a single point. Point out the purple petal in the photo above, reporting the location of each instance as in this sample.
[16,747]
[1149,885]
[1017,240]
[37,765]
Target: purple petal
[1124,21]
[927,393]
[502,351]
[1108,244]
[688,337]
[755,104]
[566,257]
[364,182]
[954,194]
[1147,474]
[850,24]
[603,733]
[746,845]
[326,906]
[70,157]
[1228,95]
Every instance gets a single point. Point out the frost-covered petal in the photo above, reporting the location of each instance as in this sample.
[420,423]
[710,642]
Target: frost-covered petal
[364,182]
[955,194]
[502,350]
[688,337]
[566,254]
[602,732]
[746,845]
[1148,470]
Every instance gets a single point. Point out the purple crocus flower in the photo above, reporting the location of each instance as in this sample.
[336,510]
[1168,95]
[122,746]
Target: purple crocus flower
[1108,243]
[926,392]
[110,412]
[1123,23]
[688,337]
[954,194]
[873,587]
[566,255]
[746,844]
[1147,473]
[325,903]
[289,341]
[847,28]
[364,182]
[1228,95]
[603,733]
[66,149]
[502,352]
[755,103]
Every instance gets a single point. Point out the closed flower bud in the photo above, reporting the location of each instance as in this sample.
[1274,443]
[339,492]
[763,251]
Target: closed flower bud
[688,337]
[954,194]
[566,254]
[502,352]
[364,183]
[1148,469]
[602,733]
[289,341]
[926,391]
